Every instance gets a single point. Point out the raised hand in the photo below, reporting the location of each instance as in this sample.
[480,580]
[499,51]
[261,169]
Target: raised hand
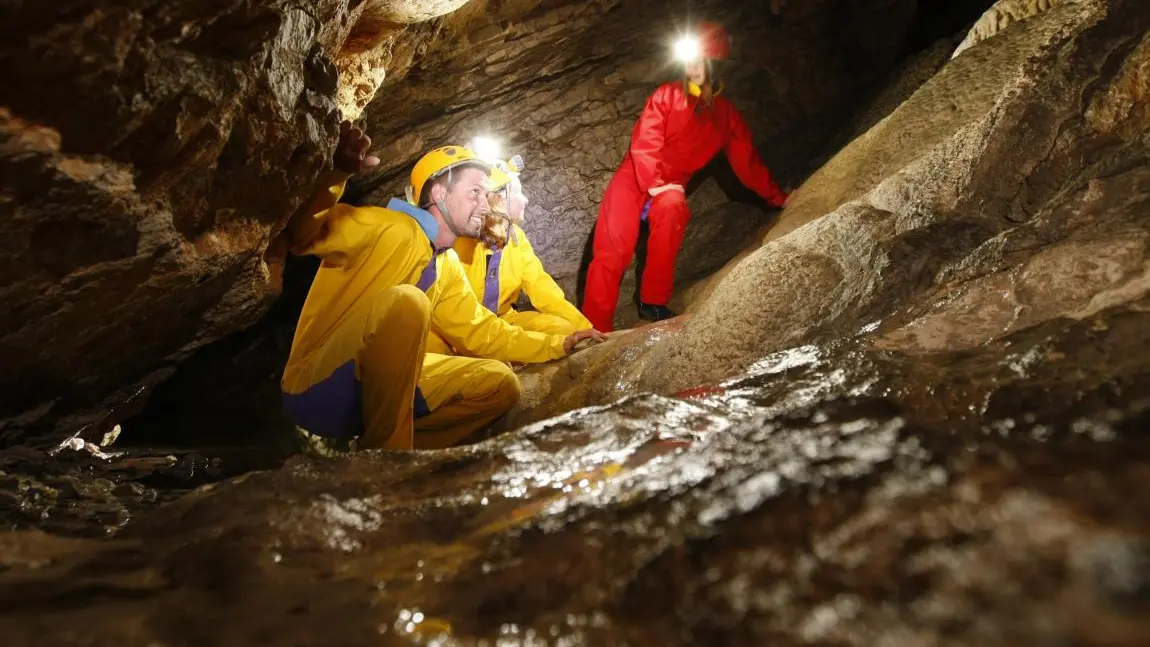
[351,151]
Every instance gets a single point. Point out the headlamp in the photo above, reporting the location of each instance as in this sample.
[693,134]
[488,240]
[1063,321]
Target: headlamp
[486,148]
[515,165]
[687,49]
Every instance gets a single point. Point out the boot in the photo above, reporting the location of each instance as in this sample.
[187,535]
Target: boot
[650,312]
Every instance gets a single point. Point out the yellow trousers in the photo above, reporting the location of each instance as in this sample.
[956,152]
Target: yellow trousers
[370,364]
[464,395]
[529,320]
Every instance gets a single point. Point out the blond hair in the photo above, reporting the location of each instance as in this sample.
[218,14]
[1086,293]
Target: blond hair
[497,224]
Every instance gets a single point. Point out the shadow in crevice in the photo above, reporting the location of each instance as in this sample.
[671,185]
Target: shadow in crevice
[227,393]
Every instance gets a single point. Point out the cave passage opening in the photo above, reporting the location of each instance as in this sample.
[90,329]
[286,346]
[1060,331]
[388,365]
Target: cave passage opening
[227,393]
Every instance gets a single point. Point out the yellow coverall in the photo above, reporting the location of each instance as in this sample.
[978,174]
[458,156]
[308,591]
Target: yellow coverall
[357,361]
[519,271]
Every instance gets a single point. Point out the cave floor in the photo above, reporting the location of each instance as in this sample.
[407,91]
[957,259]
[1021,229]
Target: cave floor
[840,493]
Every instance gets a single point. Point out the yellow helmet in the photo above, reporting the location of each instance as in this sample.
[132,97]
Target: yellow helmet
[437,161]
[498,178]
[502,172]
[515,164]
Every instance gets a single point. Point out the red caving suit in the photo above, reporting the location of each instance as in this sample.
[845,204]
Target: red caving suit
[676,135]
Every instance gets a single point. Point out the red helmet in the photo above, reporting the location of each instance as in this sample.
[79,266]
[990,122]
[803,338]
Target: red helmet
[714,42]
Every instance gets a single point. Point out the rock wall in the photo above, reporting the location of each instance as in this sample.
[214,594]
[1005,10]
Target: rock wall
[147,151]
[1009,190]
[1000,16]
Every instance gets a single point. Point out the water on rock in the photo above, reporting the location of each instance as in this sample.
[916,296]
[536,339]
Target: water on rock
[834,494]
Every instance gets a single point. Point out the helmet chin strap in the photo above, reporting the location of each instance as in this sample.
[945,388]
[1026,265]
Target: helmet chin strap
[442,205]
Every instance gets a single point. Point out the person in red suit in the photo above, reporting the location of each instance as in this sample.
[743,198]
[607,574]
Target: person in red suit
[683,127]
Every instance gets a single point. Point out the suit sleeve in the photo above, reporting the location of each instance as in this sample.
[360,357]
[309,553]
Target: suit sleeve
[744,159]
[467,325]
[544,292]
[647,140]
[309,224]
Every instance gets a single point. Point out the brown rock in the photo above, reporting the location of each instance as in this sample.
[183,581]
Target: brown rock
[997,138]
[146,155]
[834,494]
[1000,16]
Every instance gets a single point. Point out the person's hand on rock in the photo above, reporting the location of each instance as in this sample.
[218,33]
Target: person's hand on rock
[351,151]
[578,336]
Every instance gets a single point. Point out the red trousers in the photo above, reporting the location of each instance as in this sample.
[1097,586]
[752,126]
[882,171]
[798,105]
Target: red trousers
[617,232]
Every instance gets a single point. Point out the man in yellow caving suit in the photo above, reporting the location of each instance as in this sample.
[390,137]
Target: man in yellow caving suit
[500,266]
[357,366]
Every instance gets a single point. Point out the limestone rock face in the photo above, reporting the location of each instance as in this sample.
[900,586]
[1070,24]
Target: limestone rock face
[1000,16]
[1032,142]
[147,152]
[369,48]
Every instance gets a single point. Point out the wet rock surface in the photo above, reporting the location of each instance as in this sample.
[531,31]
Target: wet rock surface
[93,492]
[834,494]
[1026,151]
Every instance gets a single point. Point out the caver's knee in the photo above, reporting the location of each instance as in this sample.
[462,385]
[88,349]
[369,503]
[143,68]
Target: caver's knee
[672,198]
[399,308]
[437,344]
[504,384]
[559,326]
[669,209]
[539,322]
[410,301]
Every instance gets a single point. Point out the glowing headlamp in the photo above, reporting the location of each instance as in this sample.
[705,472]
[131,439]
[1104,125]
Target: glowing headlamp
[515,165]
[486,148]
[687,49]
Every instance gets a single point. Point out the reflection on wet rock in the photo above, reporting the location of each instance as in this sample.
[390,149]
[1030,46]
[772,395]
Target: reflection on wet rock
[835,492]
